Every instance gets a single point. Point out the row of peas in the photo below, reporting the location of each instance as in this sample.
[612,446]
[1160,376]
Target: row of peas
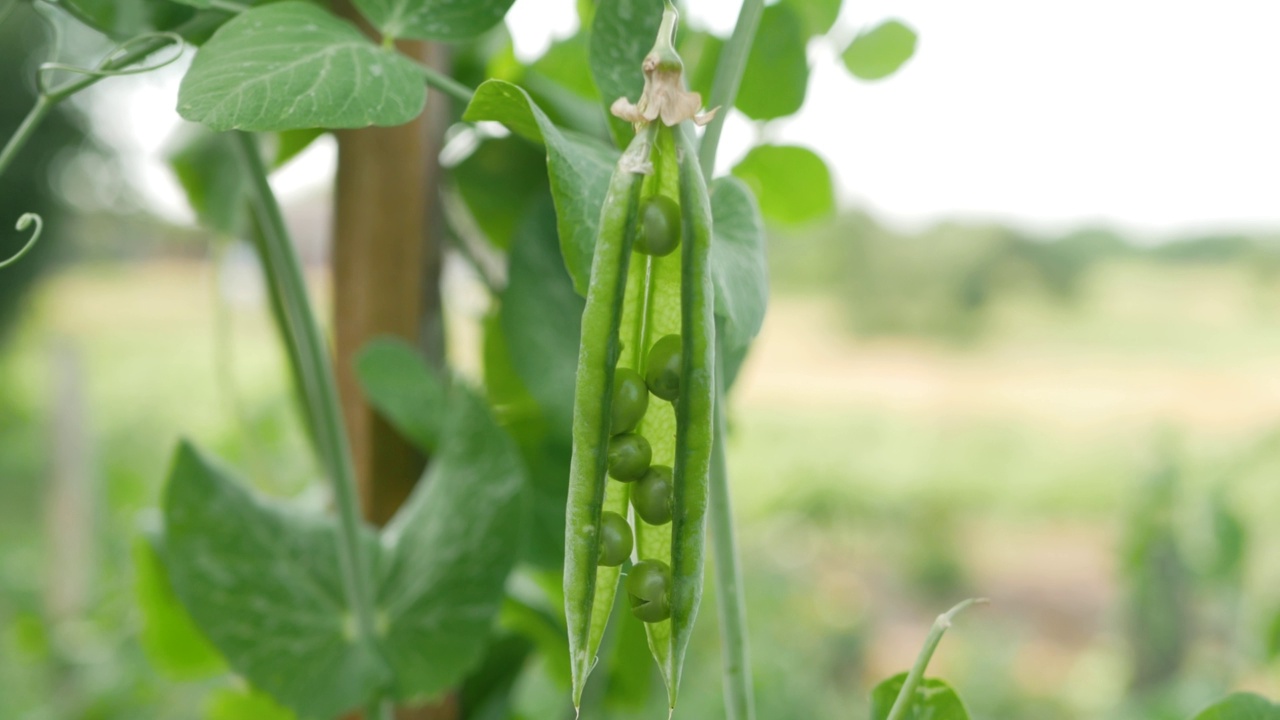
[630,455]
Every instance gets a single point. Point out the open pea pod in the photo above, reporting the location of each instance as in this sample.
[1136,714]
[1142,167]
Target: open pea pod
[648,321]
[680,303]
[589,588]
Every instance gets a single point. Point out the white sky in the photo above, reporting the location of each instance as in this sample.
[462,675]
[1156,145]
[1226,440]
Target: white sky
[1160,118]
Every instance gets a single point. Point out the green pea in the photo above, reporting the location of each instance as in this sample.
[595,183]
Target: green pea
[629,457]
[630,400]
[659,231]
[662,374]
[653,494]
[649,590]
[615,539]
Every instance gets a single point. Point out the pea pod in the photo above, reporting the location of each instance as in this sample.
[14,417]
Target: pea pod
[681,544]
[633,300]
[589,588]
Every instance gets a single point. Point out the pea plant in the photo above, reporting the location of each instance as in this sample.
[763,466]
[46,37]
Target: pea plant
[593,456]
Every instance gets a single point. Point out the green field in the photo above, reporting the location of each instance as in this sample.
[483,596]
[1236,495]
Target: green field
[877,482]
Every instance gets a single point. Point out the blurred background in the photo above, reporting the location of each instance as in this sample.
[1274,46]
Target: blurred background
[1030,356]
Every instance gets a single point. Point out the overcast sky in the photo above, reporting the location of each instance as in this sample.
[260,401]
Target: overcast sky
[1157,117]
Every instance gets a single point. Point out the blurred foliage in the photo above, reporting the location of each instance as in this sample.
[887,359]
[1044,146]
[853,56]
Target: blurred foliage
[1158,582]
[29,184]
[947,282]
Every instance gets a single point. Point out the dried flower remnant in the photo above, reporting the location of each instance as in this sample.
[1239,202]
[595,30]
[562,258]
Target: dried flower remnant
[664,95]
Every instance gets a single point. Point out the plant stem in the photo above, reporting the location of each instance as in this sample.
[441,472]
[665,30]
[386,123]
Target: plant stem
[312,367]
[730,597]
[908,691]
[446,84]
[724,90]
[25,131]
[199,24]
[739,699]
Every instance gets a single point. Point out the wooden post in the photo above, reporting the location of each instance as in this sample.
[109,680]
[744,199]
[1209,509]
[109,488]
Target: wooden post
[386,281]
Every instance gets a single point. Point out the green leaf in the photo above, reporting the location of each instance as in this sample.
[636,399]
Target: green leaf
[879,52]
[452,546]
[541,318]
[290,143]
[546,454]
[701,54]
[263,583]
[434,19]
[777,72]
[293,65]
[486,693]
[123,19]
[580,168]
[934,700]
[405,390]
[739,268]
[498,182]
[818,15]
[563,63]
[792,183]
[622,33]
[244,704]
[173,643]
[209,171]
[1241,706]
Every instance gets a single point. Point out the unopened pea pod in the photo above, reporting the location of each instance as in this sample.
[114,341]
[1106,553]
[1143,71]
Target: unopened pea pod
[589,588]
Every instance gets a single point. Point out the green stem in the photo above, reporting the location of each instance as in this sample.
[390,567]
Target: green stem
[201,23]
[25,131]
[312,367]
[724,90]
[908,691]
[446,84]
[730,597]
[739,699]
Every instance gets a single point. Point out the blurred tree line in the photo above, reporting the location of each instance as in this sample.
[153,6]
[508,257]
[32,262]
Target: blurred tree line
[944,282]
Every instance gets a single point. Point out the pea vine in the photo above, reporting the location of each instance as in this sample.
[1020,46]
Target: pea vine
[625,226]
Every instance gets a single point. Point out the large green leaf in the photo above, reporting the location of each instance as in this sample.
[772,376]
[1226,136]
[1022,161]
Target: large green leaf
[879,52]
[263,583]
[293,65]
[792,183]
[934,699]
[739,268]
[580,168]
[498,182]
[1241,706]
[123,19]
[434,19]
[818,15]
[397,381]
[546,453]
[246,704]
[777,73]
[452,546]
[622,33]
[701,54]
[173,643]
[210,173]
[541,318]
